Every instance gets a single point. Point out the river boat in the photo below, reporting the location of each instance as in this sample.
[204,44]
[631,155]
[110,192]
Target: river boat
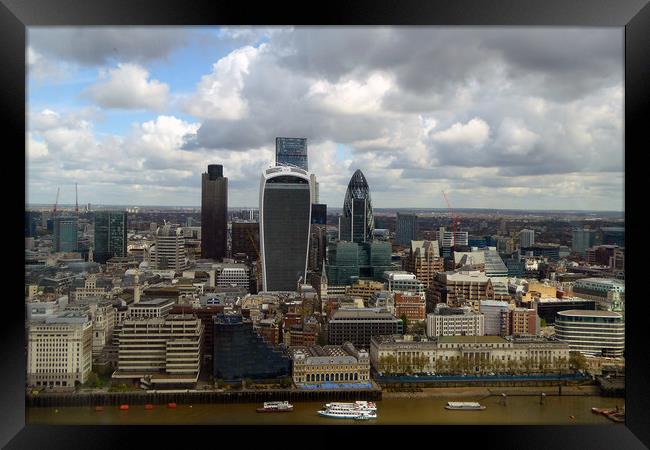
[275,407]
[465,406]
[347,411]
[358,405]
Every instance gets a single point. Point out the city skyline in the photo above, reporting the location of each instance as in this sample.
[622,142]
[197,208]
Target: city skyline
[502,118]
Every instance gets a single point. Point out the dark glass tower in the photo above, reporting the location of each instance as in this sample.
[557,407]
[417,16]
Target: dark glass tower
[239,352]
[357,221]
[406,229]
[110,235]
[285,214]
[291,151]
[65,234]
[214,213]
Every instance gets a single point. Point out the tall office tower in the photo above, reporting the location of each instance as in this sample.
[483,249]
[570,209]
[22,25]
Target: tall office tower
[30,223]
[526,238]
[314,188]
[214,213]
[285,215]
[65,234]
[246,239]
[291,152]
[317,247]
[406,230]
[110,235]
[170,248]
[318,214]
[357,222]
[582,240]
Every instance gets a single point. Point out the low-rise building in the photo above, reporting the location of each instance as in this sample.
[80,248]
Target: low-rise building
[364,289]
[330,364]
[411,306]
[598,333]
[455,321]
[359,325]
[468,354]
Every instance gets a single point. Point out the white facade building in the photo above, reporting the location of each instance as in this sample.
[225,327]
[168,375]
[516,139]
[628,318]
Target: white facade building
[170,249]
[447,321]
[59,350]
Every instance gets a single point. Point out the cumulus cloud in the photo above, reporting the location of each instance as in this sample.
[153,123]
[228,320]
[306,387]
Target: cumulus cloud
[218,95]
[474,133]
[128,87]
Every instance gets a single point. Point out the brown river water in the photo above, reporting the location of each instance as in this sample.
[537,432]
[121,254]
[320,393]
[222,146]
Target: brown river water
[517,410]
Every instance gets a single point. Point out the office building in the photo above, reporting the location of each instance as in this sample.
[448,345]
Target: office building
[318,214]
[233,274]
[214,213]
[364,289]
[496,315]
[65,234]
[412,306]
[239,352]
[424,261]
[315,188]
[548,307]
[285,210]
[459,287]
[524,321]
[161,351]
[31,221]
[549,251]
[348,261]
[59,349]
[357,221]
[330,364]
[455,321]
[526,238]
[600,290]
[291,152]
[170,251]
[406,229]
[246,239]
[598,333]
[359,325]
[404,282]
[601,255]
[110,235]
[317,247]
[582,240]
[613,236]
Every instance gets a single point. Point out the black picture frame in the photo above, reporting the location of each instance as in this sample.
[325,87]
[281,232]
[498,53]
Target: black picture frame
[634,15]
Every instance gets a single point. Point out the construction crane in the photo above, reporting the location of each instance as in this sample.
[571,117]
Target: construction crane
[455,220]
[56,202]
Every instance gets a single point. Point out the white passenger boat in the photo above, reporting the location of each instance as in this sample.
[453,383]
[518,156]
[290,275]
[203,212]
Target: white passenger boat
[465,406]
[356,411]
[358,405]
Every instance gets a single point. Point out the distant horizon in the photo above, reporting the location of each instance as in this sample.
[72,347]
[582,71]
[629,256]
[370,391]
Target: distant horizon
[81,207]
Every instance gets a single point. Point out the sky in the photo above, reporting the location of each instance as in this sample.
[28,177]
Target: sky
[496,117]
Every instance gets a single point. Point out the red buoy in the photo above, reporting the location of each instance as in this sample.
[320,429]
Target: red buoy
[171,405]
[148,406]
[124,407]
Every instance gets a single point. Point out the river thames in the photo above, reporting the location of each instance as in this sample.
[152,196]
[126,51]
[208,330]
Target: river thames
[517,410]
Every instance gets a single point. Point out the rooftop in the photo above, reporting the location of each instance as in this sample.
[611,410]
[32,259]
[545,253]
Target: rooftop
[589,313]
[471,340]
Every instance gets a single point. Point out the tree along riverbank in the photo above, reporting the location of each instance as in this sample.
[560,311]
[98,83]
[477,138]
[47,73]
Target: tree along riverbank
[484,391]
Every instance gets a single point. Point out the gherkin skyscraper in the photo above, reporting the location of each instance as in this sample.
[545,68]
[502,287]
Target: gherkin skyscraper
[357,222]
